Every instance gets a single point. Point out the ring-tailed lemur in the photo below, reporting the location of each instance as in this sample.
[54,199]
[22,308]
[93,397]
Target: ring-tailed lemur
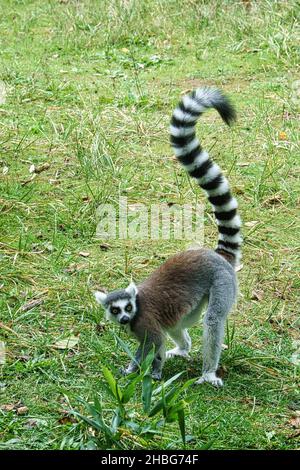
[171,299]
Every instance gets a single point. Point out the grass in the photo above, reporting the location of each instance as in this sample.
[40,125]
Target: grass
[90,91]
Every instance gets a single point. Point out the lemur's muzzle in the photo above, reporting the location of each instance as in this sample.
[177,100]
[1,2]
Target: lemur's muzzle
[125,319]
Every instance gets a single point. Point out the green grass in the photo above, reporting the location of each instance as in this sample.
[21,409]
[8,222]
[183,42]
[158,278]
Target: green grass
[90,90]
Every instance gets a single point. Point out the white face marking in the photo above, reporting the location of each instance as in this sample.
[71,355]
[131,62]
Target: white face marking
[121,311]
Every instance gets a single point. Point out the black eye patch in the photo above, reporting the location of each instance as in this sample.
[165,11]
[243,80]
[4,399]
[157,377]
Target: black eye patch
[115,310]
[128,308]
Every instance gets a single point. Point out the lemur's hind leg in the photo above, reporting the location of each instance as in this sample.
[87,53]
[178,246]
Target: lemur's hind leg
[219,306]
[183,343]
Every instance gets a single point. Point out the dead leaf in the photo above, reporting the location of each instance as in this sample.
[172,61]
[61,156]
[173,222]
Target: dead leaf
[239,190]
[295,421]
[24,358]
[43,167]
[273,200]
[184,92]
[100,327]
[242,164]
[5,327]
[85,254]
[293,436]
[75,268]
[66,418]
[104,247]
[22,410]
[67,343]
[28,180]
[31,423]
[7,407]
[239,267]
[257,295]
[30,305]
[251,223]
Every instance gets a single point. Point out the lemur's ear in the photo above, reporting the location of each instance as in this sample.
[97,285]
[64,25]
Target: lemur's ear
[100,297]
[132,289]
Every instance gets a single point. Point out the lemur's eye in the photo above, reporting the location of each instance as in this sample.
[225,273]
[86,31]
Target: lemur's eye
[128,308]
[115,310]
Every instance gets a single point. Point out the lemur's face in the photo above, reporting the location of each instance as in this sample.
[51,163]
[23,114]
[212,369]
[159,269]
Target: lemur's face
[121,305]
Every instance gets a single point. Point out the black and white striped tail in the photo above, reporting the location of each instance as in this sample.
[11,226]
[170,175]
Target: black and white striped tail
[197,163]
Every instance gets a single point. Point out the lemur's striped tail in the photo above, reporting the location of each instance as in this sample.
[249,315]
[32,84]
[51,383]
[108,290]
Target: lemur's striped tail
[197,163]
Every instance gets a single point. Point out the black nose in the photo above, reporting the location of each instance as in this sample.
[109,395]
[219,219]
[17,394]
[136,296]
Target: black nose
[124,320]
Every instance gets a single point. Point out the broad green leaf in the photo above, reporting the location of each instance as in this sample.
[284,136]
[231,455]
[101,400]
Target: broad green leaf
[98,418]
[98,405]
[67,343]
[93,423]
[169,398]
[112,383]
[147,392]
[161,404]
[166,384]
[125,347]
[116,420]
[181,422]
[129,390]
[171,412]
[147,362]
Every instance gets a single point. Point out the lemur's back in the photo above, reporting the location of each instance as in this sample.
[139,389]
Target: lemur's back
[179,285]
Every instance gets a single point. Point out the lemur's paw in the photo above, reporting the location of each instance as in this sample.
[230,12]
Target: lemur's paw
[126,371]
[210,377]
[156,375]
[177,352]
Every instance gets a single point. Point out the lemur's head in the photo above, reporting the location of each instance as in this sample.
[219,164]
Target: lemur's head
[120,305]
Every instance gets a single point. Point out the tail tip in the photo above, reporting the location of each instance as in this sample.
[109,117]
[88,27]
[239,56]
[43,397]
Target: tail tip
[213,97]
[225,109]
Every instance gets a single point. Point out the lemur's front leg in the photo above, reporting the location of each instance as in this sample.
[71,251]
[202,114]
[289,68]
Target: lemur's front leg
[143,350]
[134,365]
[158,362]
